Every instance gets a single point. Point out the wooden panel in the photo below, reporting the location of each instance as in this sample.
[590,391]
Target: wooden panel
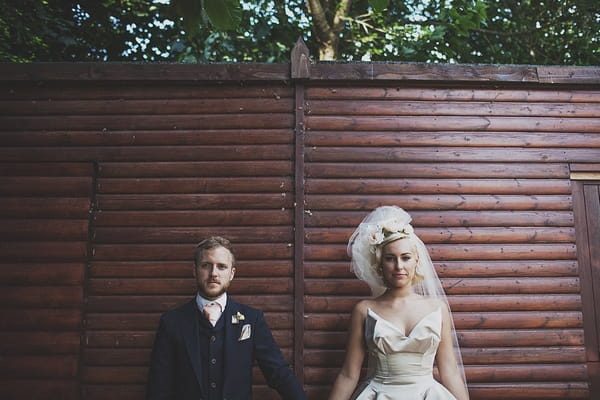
[44,229]
[414,92]
[489,191]
[480,160]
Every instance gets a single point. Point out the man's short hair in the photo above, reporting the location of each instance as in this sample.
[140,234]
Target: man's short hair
[212,243]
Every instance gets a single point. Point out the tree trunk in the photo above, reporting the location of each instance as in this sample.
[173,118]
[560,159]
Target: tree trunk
[327,32]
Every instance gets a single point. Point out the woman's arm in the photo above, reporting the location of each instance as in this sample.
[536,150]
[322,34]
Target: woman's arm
[450,374]
[349,375]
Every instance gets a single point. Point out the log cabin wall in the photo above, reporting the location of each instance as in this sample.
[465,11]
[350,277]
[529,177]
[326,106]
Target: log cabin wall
[111,173]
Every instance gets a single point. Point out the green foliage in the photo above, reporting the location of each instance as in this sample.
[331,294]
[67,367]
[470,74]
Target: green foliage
[223,14]
[466,31]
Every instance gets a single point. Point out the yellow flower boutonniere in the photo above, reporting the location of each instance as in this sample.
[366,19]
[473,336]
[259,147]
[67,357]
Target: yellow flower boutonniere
[235,319]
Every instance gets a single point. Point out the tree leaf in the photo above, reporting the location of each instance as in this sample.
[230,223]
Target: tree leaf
[190,11]
[223,14]
[379,5]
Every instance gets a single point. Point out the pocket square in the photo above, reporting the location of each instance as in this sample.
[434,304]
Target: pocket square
[246,332]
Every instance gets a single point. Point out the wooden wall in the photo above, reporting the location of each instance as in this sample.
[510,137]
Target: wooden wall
[111,173]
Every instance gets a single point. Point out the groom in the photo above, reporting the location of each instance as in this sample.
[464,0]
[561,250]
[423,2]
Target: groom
[205,349]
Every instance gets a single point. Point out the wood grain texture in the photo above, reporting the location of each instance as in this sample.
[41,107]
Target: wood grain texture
[110,174]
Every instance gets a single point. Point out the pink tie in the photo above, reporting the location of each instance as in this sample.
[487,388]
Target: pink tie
[212,312]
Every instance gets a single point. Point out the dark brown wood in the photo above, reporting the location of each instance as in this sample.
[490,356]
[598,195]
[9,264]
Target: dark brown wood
[448,138]
[589,304]
[197,169]
[422,71]
[189,235]
[459,235]
[194,201]
[196,218]
[300,60]
[592,211]
[153,106]
[45,186]
[454,169]
[427,218]
[43,229]
[420,92]
[482,162]
[194,185]
[42,273]
[552,74]
[49,90]
[460,154]
[443,123]
[88,71]
[439,186]
[149,138]
[164,122]
[436,108]
[44,207]
[460,202]
[157,153]
[300,69]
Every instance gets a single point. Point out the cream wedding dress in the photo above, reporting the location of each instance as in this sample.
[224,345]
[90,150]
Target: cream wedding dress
[401,366]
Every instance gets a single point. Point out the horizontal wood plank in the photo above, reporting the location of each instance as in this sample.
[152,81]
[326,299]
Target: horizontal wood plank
[254,168]
[415,92]
[196,218]
[447,218]
[460,202]
[427,170]
[194,185]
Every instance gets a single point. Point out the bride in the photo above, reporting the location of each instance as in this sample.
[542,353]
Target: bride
[406,326]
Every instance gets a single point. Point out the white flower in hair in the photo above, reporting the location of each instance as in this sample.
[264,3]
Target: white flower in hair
[376,235]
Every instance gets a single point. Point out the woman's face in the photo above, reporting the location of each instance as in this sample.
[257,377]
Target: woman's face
[398,263]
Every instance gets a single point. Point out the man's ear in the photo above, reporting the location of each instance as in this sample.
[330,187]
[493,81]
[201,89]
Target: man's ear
[232,273]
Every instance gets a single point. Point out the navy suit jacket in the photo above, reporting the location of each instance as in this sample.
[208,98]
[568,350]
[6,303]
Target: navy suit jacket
[176,368]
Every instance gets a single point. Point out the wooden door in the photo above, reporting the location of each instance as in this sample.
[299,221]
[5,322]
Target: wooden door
[586,196]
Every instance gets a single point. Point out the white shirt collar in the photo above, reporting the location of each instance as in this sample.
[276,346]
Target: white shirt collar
[221,301]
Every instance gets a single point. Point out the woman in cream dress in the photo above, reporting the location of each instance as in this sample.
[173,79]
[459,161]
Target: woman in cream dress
[406,327]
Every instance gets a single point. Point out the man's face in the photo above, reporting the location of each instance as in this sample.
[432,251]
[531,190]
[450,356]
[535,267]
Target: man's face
[214,272]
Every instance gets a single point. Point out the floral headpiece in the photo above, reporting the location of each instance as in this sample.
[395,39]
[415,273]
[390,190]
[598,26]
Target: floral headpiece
[384,231]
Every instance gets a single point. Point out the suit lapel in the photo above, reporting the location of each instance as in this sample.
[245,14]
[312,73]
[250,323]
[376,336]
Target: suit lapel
[191,336]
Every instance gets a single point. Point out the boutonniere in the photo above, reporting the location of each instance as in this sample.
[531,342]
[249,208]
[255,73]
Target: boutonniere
[235,319]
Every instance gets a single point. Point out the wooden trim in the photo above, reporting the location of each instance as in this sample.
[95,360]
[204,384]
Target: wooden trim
[323,71]
[118,71]
[300,60]
[592,208]
[588,304]
[585,176]
[299,234]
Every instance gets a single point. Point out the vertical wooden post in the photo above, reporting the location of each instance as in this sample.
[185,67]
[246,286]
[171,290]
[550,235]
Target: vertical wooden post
[300,70]
[586,210]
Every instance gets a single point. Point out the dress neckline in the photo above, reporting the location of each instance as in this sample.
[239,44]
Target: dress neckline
[380,318]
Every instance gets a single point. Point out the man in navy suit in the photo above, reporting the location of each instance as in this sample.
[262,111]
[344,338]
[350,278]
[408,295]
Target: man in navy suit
[206,348]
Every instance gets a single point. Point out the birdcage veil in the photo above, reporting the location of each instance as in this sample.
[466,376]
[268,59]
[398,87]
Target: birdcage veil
[384,225]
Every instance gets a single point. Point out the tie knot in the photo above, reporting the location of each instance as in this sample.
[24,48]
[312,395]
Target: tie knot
[212,312]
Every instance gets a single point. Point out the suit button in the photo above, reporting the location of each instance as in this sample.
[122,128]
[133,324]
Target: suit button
[213,361]
[213,385]
[212,338]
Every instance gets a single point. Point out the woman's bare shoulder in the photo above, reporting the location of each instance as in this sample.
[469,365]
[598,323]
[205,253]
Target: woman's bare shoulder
[362,306]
